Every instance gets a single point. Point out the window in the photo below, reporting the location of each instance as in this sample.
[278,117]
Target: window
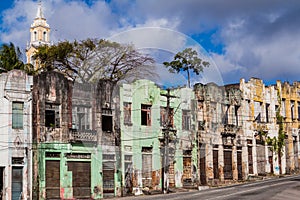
[52,116]
[146,115]
[236,115]
[186,119]
[283,107]
[267,113]
[292,110]
[226,114]
[45,36]
[298,110]
[17,115]
[165,118]
[257,111]
[81,118]
[127,113]
[34,36]
[107,123]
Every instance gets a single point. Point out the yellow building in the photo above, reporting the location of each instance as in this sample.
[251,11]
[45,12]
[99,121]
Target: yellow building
[39,35]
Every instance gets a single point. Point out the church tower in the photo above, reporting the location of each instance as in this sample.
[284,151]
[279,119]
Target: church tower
[39,35]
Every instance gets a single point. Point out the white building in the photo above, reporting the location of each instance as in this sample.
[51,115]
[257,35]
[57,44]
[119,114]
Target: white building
[15,135]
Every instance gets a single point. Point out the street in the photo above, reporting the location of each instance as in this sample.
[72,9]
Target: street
[287,188]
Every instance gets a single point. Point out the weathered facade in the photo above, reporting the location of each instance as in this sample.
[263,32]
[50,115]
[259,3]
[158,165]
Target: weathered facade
[77,137]
[220,134]
[289,95]
[144,120]
[16,134]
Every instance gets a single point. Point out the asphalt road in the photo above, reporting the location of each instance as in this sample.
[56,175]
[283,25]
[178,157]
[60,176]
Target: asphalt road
[286,188]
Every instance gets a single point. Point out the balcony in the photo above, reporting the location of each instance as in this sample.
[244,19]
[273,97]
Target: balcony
[83,136]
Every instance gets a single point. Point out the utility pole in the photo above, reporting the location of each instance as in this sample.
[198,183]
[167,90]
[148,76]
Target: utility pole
[167,129]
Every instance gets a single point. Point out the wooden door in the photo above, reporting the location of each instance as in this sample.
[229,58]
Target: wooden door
[52,179]
[81,179]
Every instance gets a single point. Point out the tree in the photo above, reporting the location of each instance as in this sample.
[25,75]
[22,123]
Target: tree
[92,60]
[188,61]
[10,58]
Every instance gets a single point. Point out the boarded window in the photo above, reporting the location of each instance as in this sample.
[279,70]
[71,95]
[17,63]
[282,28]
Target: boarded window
[186,119]
[146,115]
[17,115]
[127,113]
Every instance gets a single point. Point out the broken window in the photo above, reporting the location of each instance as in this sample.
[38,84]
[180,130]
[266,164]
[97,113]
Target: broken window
[186,120]
[257,111]
[165,118]
[17,115]
[292,110]
[267,113]
[283,107]
[146,115]
[236,115]
[127,113]
[52,116]
[200,109]
[107,123]
[226,113]
[298,110]
[81,118]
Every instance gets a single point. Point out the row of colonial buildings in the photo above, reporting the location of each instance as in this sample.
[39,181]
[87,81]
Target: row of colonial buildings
[61,139]
[64,140]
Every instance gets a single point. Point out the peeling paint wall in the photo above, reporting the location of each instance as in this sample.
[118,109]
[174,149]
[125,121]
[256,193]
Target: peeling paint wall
[15,87]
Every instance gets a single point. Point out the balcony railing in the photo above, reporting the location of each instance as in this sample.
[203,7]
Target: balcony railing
[83,135]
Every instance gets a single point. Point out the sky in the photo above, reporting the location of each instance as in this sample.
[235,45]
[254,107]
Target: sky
[240,38]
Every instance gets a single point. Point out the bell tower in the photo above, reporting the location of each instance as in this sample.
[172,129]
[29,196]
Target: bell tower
[39,35]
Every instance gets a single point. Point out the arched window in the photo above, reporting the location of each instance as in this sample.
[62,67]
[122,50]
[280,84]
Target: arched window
[34,36]
[45,36]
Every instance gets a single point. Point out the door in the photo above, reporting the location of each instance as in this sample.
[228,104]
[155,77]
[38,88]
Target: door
[202,165]
[108,173]
[52,179]
[147,170]
[261,159]
[216,163]
[239,165]
[187,170]
[228,164]
[1,181]
[17,185]
[81,179]
[250,160]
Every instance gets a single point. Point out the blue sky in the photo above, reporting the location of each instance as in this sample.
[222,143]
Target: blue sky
[244,38]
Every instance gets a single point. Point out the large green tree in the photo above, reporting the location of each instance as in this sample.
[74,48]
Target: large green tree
[187,60]
[11,58]
[92,60]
